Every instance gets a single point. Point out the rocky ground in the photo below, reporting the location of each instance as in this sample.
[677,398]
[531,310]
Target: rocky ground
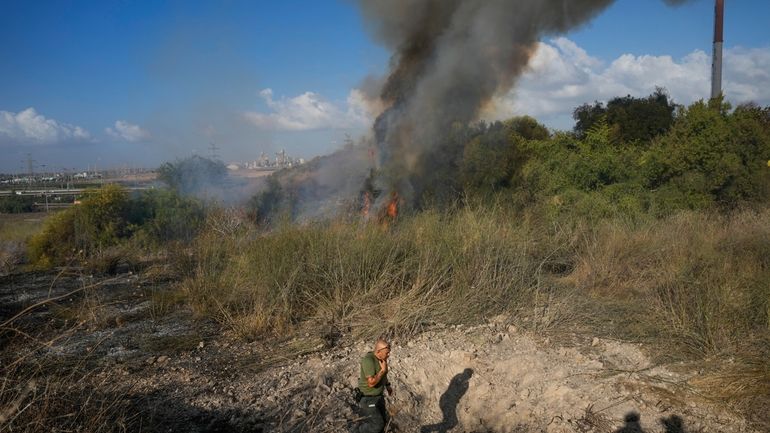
[179,373]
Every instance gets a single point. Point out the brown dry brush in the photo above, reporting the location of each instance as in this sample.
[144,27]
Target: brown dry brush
[55,396]
[363,278]
[692,287]
[44,391]
[696,285]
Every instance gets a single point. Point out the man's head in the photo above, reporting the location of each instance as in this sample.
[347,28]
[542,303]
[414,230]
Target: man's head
[381,349]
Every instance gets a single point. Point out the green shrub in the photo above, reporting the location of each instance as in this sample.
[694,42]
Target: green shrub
[711,156]
[193,175]
[163,215]
[17,204]
[109,217]
[98,222]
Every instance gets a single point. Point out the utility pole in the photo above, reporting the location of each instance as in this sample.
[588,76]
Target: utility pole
[716,60]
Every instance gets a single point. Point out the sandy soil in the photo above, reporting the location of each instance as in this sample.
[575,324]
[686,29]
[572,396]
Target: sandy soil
[183,374]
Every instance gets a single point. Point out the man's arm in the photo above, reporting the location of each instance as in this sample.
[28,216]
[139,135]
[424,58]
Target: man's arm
[372,381]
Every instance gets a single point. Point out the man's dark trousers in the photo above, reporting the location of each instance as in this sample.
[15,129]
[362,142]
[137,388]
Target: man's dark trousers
[374,413]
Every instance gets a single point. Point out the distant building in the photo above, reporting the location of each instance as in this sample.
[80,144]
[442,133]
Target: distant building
[282,160]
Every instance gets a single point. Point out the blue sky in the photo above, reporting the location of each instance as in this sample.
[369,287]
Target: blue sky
[121,82]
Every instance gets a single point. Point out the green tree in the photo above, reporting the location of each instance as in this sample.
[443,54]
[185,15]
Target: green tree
[636,119]
[491,160]
[527,128]
[712,156]
[17,204]
[193,175]
[435,180]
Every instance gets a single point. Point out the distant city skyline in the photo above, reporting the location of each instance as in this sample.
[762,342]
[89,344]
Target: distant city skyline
[134,83]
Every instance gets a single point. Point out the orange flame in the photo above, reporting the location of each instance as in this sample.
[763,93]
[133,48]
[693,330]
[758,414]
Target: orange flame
[393,206]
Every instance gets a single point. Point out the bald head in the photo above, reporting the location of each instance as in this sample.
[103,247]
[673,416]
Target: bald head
[382,349]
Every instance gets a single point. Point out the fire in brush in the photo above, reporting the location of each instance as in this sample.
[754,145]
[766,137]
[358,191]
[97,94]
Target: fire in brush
[450,59]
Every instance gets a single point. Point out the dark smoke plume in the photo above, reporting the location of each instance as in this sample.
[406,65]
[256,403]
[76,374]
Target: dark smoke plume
[450,58]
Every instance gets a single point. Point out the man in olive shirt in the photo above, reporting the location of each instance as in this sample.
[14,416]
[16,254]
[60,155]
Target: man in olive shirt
[372,381]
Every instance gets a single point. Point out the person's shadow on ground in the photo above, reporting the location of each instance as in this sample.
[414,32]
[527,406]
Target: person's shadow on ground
[448,402]
[672,424]
[633,424]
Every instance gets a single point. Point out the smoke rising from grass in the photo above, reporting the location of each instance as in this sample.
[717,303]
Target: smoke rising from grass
[450,57]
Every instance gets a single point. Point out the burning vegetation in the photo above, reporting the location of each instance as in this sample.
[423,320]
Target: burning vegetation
[648,222]
[450,59]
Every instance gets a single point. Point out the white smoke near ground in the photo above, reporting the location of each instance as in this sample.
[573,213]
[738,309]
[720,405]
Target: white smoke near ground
[30,127]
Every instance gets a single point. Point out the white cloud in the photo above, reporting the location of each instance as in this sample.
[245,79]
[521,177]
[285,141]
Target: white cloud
[562,76]
[747,75]
[28,126]
[126,131]
[309,111]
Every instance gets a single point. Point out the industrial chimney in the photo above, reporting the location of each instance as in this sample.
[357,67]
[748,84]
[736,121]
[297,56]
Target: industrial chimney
[716,65]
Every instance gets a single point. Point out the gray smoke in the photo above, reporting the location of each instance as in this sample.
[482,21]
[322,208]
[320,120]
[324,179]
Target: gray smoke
[450,57]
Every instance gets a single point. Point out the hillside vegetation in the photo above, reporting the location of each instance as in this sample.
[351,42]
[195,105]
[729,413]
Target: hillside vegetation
[110,222]
[648,223]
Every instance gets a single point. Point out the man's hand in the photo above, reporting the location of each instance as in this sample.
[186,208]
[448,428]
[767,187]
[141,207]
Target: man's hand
[383,365]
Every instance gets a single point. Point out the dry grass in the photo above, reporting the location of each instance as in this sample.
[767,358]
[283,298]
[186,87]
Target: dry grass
[695,273]
[691,287]
[43,391]
[742,381]
[19,227]
[43,395]
[15,230]
[704,276]
[363,277]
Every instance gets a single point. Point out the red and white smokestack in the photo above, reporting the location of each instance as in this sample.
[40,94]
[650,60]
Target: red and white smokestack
[716,64]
